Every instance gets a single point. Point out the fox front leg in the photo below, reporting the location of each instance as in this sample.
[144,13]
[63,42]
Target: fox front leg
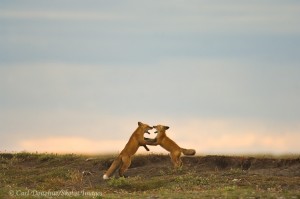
[145,146]
[150,141]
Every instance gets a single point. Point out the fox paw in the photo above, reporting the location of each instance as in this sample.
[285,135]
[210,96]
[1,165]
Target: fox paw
[150,140]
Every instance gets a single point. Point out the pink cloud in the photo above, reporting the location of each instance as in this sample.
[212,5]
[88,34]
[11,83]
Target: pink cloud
[207,137]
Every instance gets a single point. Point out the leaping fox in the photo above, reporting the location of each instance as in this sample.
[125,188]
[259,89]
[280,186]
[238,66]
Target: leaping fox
[136,140]
[165,142]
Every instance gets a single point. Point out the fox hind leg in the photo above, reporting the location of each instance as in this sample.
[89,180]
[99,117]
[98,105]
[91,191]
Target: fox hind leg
[179,162]
[173,159]
[126,163]
[176,160]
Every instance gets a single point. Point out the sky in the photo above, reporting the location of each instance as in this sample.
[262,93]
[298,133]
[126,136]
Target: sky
[77,76]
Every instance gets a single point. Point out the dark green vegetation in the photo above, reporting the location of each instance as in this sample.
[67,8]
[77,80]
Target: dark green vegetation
[26,175]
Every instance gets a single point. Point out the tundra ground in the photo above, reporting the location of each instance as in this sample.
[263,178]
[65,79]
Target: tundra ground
[31,175]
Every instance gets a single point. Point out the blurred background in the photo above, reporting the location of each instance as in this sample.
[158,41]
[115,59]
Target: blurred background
[76,76]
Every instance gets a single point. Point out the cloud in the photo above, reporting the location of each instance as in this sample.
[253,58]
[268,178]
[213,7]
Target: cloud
[206,136]
[71,145]
[178,16]
[249,143]
[156,62]
[62,15]
[202,88]
[237,136]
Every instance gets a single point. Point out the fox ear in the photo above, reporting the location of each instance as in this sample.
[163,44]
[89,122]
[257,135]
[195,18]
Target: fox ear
[166,127]
[140,123]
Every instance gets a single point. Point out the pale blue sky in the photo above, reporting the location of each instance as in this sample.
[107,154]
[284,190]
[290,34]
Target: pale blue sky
[92,69]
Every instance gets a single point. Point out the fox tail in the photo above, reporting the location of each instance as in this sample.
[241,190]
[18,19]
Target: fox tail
[113,167]
[188,151]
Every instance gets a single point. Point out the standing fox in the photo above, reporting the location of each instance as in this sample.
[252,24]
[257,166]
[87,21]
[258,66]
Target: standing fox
[136,140]
[165,142]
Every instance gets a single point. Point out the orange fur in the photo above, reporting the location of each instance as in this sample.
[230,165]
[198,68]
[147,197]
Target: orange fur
[165,142]
[123,161]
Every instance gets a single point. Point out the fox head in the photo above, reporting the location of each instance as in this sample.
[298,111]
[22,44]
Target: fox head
[146,127]
[160,128]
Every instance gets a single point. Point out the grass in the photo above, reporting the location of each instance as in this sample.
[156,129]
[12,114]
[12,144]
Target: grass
[33,175]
